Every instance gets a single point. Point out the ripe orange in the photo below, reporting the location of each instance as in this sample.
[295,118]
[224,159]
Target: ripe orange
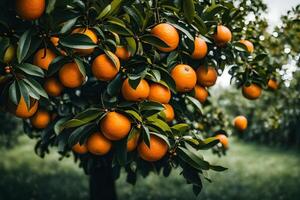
[240,123]
[252,91]
[54,40]
[91,35]
[207,76]
[40,119]
[201,93]
[30,9]
[185,77]
[139,94]
[133,142]
[104,69]
[70,75]
[168,34]
[159,93]
[115,126]
[53,87]
[248,44]
[223,35]
[122,53]
[272,84]
[158,149]
[169,112]
[80,149]
[43,58]
[22,111]
[200,48]
[98,144]
[223,140]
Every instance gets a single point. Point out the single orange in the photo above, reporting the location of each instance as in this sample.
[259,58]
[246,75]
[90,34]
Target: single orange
[223,35]
[139,94]
[133,142]
[207,76]
[43,58]
[272,84]
[97,144]
[223,140]
[70,75]
[185,77]
[200,93]
[54,40]
[115,126]
[168,34]
[158,149]
[53,87]
[105,69]
[91,34]
[159,93]
[200,48]
[40,119]
[80,149]
[240,123]
[169,112]
[252,91]
[122,53]
[30,9]
[22,111]
[248,44]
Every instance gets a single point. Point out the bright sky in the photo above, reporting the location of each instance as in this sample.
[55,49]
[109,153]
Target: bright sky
[276,8]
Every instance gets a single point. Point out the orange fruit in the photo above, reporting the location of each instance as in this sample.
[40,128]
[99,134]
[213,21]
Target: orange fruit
[207,76]
[248,44]
[40,119]
[70,75]
[104,69]
[98,144]
[115,126]
[168,34]
[30,9]
[22,111]
[122,53]
[158,149]
[43,58]
[240,123]
[53,87]
[159,93]
[54,40]
[272,84]
[223,140]
[133,142]
[139,94]
[91,35]
[200,93]
[223,35]
[169,112]
[80,149]
[185,77]
[252,91]
[200,48]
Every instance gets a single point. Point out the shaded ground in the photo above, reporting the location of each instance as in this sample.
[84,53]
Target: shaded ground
[255,172]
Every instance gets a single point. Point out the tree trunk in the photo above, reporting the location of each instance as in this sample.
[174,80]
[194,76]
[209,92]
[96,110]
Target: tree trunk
[102,184]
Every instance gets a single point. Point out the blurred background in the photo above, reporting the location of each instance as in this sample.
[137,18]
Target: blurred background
[263,162]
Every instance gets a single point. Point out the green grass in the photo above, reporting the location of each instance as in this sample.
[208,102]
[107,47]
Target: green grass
[255,172]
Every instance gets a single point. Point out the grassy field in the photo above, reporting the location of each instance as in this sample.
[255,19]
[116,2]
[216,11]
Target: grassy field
[255,172]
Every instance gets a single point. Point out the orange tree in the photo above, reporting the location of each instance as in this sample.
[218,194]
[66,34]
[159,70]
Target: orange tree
[124,84]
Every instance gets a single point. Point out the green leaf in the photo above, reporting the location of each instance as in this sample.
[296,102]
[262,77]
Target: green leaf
[118,28]
[181,128]
[132,46]
[183,30]
[72,123]
[150,105]
[81,66]
[78,133]
[68,25]
[135,16]
[14,93]
[208,143]
[34,85]
[195,102]
[114,87]
[217,168]
[153,40]
[24,93]
[192,159]
[104,12]
[146,135]
[189,10]
[165,138]
[31,69]
[77,41]
[24,44]
[134,114]
[260,57]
